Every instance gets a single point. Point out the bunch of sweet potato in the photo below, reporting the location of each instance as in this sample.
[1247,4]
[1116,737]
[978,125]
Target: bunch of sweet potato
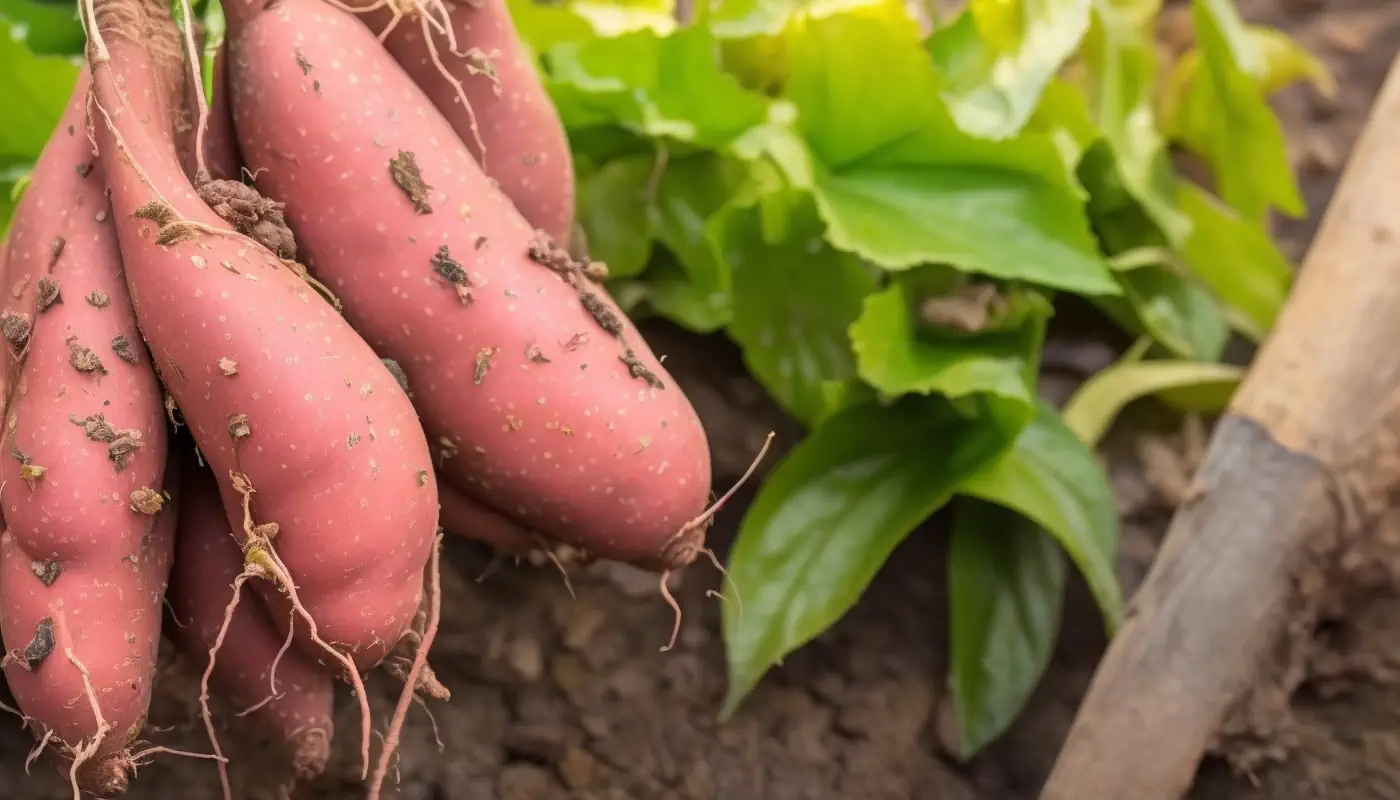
[278,344]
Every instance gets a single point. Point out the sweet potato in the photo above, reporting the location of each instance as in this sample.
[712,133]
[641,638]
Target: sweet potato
[540,397]
[87,549]
[207,563]
[317,451]
[506,110]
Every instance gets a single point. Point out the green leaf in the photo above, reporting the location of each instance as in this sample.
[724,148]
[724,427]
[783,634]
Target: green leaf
[746,19]
[1006,582]
[1178,312]
[655,86]
[543,25]
[1050,476]
[1063,114]
[793,301]
[692,287]
[1121,55]
[898,183]
[1189,385]
[1226,119]
[1236,259]
[45,28]
[896,357]
[1280,62]
[612,206]
[998,57]
[1285,62]
[617,17]
[830,514]
[1161,296]
[33,94]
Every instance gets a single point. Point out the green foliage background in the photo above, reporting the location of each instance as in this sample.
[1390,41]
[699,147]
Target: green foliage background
[882,219]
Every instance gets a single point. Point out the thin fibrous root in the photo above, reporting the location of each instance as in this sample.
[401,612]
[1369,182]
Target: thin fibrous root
[676,607]
[302,272]
[558,564]
[38,749]
[391,741]
[202,124]
[258,550]
[138,759]
[86,751]
[229,611]
[456,84]
[699,523]
[273,694]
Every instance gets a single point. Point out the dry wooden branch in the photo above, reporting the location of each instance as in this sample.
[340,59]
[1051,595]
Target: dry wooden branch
[1305,460]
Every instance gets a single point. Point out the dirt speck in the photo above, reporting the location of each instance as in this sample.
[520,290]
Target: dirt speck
[403,168]
[48,294]
[238,427]
[95,427]
[454,273]
[46,571]
[122,347]
[15,328]
[228,367]
[40,646]
[56,250]
[637,369]
[483,365]
[400,376]
[98,299]
[83,359]
[147,501]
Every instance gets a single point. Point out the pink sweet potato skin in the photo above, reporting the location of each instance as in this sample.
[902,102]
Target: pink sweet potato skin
[527,151]
[332,446]
[207,561]
[75,551]
[544,421]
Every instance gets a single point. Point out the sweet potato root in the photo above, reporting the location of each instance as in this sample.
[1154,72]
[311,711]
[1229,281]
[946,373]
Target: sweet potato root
[322,467]
[87,549]
[539,396]
[297,717]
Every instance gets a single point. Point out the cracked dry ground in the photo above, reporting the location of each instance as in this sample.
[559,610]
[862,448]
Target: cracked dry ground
[561,698]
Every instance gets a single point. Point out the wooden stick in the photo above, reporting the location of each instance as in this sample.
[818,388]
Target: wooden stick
[1303,459]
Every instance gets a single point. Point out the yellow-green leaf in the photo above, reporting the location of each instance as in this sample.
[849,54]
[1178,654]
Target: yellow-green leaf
[1192,385]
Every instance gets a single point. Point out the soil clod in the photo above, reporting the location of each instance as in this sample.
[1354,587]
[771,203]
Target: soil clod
[251,214]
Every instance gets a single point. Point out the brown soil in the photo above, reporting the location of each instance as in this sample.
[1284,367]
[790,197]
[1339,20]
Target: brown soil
[556,697]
